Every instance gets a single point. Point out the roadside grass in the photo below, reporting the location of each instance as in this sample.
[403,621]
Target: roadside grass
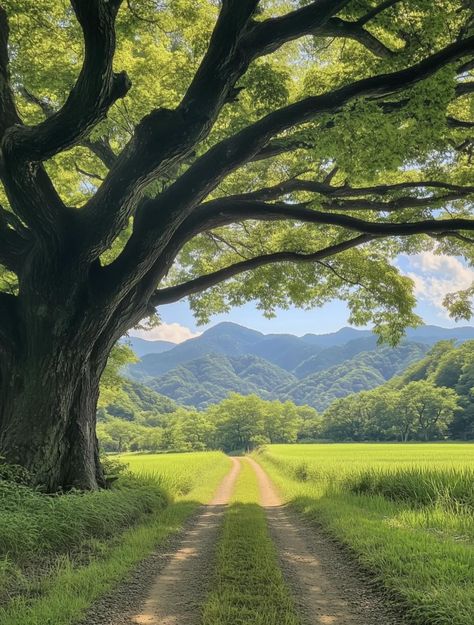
[409,522]
[55,581]
[248,586]
[178,473]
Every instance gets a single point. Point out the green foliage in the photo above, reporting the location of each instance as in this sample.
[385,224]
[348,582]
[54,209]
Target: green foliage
[452,489]
[430,400]
[58,581]
[160,47]
[32,523]
[111,380]
[14,473]
[36,527]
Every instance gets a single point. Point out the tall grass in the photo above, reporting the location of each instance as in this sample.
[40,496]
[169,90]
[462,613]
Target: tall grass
[60,553]
[404,511]
[32,523]
[450,488]
[177,473]
[433,474]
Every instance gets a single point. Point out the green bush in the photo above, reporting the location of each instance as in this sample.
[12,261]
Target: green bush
[14,473]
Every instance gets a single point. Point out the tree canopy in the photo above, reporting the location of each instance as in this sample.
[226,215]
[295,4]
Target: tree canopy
[275,150]
[340,123]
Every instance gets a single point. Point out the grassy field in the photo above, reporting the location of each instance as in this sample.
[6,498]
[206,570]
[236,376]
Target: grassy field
[59,554]
[405,511]
[248,585]
[180,474]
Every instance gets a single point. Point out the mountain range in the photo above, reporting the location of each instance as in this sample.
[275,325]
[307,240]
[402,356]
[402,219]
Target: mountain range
[312,369]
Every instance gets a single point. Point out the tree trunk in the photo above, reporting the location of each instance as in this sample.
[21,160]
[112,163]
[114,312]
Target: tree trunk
[48,418]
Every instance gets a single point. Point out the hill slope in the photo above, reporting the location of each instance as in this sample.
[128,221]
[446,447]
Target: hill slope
[363,372]
[209,379]
[313,369]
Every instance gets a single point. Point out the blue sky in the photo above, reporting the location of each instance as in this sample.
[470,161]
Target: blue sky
[434,276]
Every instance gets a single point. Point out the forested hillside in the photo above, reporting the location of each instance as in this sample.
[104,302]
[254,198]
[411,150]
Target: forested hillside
[364,371]
[430,400]
[209,379]
[313,369]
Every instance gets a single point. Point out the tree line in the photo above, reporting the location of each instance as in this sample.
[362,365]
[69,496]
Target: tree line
[240,422]
[432,400]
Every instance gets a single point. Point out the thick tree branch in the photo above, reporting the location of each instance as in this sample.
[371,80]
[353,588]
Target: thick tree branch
[220,213]
[267,36]
[464,88]
[159,218]
[207,172]
[166,137]
[336,27]
[96,89]
[323,188]
[100,147]
[174,293]
[453,122]
[281,146]
[235,42]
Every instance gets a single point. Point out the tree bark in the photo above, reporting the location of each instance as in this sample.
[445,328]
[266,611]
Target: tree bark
[48,418]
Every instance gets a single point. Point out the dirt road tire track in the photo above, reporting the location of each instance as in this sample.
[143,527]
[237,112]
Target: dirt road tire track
[169,587]
[327,587]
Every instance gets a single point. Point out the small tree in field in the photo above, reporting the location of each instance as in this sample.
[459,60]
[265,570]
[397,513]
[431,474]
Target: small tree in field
[283,151]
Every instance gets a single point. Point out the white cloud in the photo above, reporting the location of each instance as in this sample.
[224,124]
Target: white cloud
[436,275]
[174,332]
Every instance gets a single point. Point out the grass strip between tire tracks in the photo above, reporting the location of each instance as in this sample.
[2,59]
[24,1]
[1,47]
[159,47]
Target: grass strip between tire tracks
[248,585]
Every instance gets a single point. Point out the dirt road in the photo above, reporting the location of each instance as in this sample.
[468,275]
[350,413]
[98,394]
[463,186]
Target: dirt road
[326,587]
[170,586]
[178,591]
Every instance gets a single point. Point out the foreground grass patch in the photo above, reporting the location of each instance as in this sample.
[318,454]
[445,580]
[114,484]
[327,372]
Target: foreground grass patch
[408,523]
[248,586]
[86,570]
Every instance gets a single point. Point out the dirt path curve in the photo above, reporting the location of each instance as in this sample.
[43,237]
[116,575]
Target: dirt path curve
[326,587]
[179,577]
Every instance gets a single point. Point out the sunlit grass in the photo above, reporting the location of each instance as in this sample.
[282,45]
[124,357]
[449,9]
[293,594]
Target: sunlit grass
[405,511]
[248,586]
[74,574]
[179,473]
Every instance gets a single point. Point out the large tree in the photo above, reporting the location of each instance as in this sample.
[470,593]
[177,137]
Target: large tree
[290,149]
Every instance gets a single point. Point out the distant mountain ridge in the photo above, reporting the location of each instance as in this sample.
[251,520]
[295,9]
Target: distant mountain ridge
[313,369]
[142,347]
